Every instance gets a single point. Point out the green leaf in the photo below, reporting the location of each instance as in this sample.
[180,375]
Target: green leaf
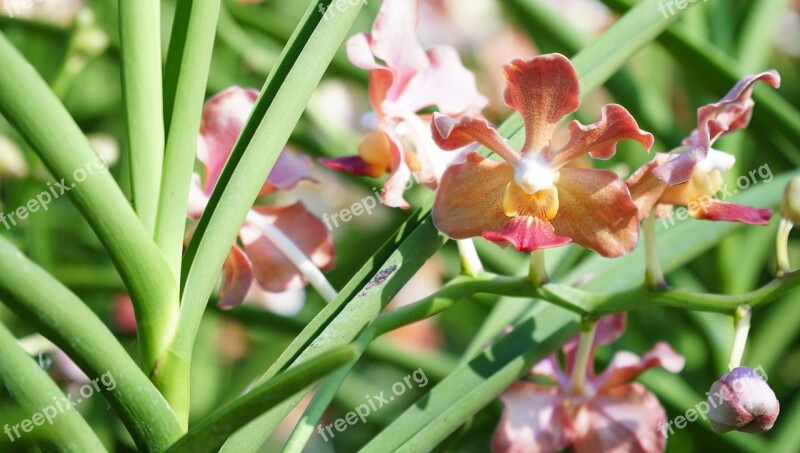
[31,387]
[140,39]
[58,314]
[27,102]
[210,433]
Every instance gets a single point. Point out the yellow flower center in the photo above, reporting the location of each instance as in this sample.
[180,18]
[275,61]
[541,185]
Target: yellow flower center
[542,204]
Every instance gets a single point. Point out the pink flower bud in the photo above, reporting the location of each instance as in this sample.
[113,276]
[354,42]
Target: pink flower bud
[742,400]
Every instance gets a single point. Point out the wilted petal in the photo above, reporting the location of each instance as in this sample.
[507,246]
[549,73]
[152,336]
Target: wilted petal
[596,211]
[731,212]
[600,139]
[526,234]
[645,188]
[288,171]
[446,84]
[534,420]
[543,90]
[625,419]
[731,113]
[224,116]
[271,268]
[626,366]
[236,279]
[470,197]
[450,134]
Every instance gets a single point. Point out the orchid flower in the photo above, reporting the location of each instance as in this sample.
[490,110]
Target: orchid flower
[410,79]
[692,174]
[532,200]
[278,240]
[610,414]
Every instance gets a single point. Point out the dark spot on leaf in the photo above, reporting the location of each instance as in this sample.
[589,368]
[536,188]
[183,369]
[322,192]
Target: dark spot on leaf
[378,279]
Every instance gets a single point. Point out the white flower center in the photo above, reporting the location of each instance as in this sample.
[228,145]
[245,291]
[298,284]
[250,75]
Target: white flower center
[532,174]
[716,160]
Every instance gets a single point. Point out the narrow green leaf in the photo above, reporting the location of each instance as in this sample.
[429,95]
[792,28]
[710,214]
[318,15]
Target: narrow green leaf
[55,137]
[140,40]
[31,387]
[210,433]
[59,315]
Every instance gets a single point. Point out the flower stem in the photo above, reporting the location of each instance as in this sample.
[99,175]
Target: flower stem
[654,277]
[741,322]
[295,255]
[537,272]
[588,329]
[470,261]
[782,243]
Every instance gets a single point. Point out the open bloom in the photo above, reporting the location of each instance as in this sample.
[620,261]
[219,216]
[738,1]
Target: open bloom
[692,174]
[611,414]
[532,200]
[269,233]
[742,400]
[410,79]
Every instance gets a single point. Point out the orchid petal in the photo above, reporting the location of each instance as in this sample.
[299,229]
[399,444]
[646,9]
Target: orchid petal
[470,197]
[450,134]
[271,268]
[600,139]
[534,421]
[596,211]
[286,303]
[526,234]
[237,279]
[625,419]
[446,84]
[224,116]
[731,113]
[646,190]
[626,366]
[397,183]
[354,165]
[395,42]
[731,212]
[609,329]
[197,198]
[288,171]
[543,90]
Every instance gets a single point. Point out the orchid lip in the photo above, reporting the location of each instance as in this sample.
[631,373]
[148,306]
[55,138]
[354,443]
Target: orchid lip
[532,174]
[716,160]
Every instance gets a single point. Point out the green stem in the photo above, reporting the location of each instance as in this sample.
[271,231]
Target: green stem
[583,356]
[654,277]
[537,272]
[86,42]
[67,154]
[185,80]
[59,315]
[782,245]
[741,322]
[32,388]
[140,40]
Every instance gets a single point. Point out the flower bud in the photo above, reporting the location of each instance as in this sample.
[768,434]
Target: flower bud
[742,400]
[790,205]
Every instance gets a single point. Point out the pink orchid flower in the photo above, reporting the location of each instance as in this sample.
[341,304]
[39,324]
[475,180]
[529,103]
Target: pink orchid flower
[267,229]
[410,79]
[532,200]
[612,414]
[692,174]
